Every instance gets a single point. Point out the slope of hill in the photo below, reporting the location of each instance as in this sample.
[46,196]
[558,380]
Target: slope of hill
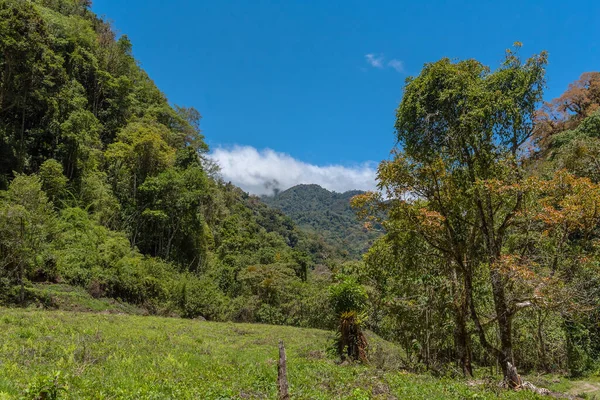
[328,213]
[133,357]
[110,191]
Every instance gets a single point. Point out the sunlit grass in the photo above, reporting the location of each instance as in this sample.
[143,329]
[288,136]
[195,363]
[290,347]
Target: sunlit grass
[103,356]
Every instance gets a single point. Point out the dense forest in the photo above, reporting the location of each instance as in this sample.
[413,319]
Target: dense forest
[479,251]
[326,213]
[106,186]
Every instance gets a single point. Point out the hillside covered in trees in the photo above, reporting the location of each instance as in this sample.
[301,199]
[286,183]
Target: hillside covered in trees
[477,255]
[106,186]
[327,213]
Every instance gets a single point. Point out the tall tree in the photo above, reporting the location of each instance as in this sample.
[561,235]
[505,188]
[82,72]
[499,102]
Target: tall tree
[461,129]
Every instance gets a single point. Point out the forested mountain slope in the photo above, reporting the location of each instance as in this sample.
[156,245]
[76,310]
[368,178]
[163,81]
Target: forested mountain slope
[105,185]
[328,213]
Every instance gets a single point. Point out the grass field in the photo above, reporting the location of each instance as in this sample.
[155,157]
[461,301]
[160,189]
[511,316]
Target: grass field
[112,356]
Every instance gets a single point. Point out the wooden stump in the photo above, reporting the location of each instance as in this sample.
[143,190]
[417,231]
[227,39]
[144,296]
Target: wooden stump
[282,383]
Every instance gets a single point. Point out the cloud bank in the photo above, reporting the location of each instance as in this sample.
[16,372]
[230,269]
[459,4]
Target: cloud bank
[263,172]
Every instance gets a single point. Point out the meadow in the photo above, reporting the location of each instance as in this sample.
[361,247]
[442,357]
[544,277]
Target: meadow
[78,355]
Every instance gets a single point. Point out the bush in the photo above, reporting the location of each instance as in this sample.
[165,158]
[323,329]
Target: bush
[349,299]
[579,360]
[201,297]
[347,295]
[243,309]
[53,181]
[268,314]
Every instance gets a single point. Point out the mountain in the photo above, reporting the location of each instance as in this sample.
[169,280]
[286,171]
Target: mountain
[328,213]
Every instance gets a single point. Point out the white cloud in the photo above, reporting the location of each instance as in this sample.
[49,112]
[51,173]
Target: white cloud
[260,172]
[397,65]
[378,61]
[375,60]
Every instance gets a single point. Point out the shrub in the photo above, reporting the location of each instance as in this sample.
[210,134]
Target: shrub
[347,295]
[201,297]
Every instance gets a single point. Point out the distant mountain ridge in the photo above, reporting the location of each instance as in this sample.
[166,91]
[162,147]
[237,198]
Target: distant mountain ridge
[328,213]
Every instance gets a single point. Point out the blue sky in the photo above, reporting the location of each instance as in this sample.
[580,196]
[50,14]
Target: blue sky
[317,81]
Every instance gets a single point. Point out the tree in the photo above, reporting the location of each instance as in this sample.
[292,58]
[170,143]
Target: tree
[579,101]
[461,128]
[30,75]
[54,183]
[554,252]
[80,143]
[141,151]
[189,126]
[27,224]
[577,150]
[172,220]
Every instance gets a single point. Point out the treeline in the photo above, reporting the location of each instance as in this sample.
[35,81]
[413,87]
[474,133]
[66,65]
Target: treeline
[104,185]
[491,206]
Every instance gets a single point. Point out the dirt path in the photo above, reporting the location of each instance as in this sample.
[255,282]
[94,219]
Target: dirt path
[581,387]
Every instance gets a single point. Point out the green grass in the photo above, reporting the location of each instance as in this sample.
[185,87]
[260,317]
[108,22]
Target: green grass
[109,356]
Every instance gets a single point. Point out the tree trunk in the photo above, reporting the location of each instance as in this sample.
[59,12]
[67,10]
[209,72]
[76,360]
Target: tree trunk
[21,266]
[427,337]
[540,335]
[352,343]
[499,355]
[21,163]
[461,338]
[505,356]
[493,241]
[22,285]
[461,334]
